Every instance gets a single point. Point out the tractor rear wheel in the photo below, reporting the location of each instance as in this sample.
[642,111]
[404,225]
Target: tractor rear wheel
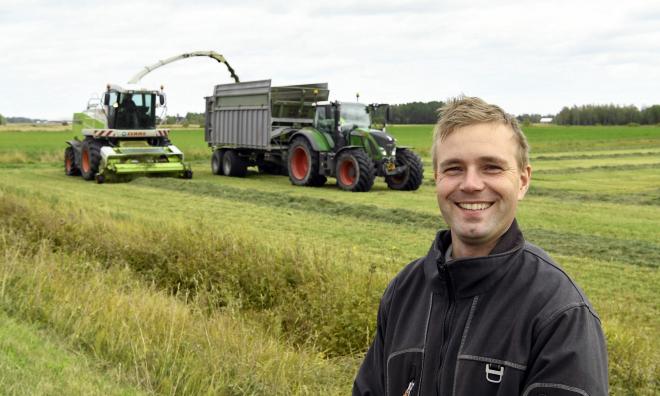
[70,167]
[233,165]
[90,158]
[216,162]
[412,177]
[355,171]
[303,164]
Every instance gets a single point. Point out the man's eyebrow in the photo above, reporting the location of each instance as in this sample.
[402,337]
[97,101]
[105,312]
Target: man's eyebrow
[449,161]
[497,160]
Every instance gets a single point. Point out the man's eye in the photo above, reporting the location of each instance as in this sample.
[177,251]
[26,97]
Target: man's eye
[452,171]
[493,168]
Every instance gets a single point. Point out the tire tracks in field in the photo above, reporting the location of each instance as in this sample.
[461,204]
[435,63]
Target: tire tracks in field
[635,252]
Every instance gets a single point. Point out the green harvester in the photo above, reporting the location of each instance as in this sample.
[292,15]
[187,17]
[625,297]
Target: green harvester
[121,138]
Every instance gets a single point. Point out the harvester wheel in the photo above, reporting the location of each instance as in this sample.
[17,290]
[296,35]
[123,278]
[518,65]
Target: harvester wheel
[412,177]
[216,162]
[70,167]
[187,174]
[355,171]
[233,165]
[100,179]
[303,164]
[90,158]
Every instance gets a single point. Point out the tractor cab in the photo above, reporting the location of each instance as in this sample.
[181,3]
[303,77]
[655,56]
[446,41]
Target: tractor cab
[132,109]
[341,119]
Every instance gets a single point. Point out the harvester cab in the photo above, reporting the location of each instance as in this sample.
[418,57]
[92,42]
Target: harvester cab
[121,138]
[132,109]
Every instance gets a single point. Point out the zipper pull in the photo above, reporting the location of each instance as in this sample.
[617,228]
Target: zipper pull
[408,391]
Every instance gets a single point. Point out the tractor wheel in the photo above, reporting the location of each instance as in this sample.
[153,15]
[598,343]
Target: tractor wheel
[355,171]
[412,177]
[70,167]
[90,158]
[216,162]
[303,164]
[233,165]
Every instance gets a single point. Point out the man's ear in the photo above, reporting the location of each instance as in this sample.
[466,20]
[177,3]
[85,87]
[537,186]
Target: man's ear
[525,180]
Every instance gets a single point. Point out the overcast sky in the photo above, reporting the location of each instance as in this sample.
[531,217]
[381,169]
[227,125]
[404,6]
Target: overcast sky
[527,56]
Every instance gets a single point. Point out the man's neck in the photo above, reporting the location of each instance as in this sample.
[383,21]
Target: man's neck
[460,249]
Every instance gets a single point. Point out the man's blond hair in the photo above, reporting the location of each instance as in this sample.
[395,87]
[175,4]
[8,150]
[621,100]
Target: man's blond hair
[465,111]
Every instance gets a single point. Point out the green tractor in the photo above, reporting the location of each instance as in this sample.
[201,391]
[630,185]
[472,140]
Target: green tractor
[346,143]
[295,130]
[121,138]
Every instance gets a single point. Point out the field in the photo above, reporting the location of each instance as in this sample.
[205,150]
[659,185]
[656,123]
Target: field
[252,286]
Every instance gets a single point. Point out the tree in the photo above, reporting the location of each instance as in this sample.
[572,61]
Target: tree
[3,121]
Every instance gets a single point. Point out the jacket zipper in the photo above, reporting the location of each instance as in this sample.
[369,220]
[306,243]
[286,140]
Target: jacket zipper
[446,328]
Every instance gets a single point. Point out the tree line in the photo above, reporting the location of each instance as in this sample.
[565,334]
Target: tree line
[608,115]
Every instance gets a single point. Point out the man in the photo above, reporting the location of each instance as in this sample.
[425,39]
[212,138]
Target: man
[484,312]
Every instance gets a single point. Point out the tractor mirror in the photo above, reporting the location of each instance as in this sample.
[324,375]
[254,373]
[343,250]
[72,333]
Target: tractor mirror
[106,99]
[161,99]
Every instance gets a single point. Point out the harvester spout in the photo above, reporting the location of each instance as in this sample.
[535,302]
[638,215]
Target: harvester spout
[212,54]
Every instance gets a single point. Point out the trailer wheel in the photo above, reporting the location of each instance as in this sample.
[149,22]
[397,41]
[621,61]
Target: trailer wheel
[355,171]
[303,164]
[233,165]
[412,177]
[216,162]
[70,167]
[90,158]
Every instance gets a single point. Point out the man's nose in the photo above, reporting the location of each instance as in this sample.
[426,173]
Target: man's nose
[472,181]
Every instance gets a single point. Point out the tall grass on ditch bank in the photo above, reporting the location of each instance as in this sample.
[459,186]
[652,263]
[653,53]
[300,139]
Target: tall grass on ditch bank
[323,300]
[164,344]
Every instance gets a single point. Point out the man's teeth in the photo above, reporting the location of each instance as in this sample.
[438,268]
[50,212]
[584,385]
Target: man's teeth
[475,206]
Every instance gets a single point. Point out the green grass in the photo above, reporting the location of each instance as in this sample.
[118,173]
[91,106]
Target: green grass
[33,362]
[303,268]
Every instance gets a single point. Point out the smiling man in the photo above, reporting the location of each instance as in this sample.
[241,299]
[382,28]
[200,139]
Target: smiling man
[484,312]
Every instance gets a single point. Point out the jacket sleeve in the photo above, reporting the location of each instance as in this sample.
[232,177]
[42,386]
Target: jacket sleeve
[569,356]
[370,379]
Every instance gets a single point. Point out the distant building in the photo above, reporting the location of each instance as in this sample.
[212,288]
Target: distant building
[546,120]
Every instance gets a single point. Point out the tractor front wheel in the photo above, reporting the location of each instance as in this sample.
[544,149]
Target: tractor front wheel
[90,158]
[412,177]
[355,171]
[216,162]
[70,167]
[303,164]
[233,165]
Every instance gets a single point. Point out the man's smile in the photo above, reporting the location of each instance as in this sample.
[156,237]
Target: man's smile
[474,205]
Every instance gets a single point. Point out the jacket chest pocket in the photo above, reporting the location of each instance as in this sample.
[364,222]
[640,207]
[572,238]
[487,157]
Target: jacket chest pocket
[404,370]
[477,375]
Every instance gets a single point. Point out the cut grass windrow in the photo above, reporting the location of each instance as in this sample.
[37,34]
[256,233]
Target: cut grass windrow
[297,287]
[164,344]
[613,168]
[643,198]
[599,247]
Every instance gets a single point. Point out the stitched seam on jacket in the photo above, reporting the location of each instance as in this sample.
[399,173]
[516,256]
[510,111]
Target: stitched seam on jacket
[527,249]
[397,353]
[557,313]
[516,366]
[465,331]
[426,333]
[558,386]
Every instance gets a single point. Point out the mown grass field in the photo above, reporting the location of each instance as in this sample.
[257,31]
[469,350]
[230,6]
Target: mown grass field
[252,286]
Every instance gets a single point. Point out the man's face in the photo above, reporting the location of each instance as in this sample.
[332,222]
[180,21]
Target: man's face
[478,183]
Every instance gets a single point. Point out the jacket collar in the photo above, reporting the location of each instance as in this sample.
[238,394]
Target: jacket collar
[471,276]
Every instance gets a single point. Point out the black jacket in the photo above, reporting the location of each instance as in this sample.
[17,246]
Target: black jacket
[510,323]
